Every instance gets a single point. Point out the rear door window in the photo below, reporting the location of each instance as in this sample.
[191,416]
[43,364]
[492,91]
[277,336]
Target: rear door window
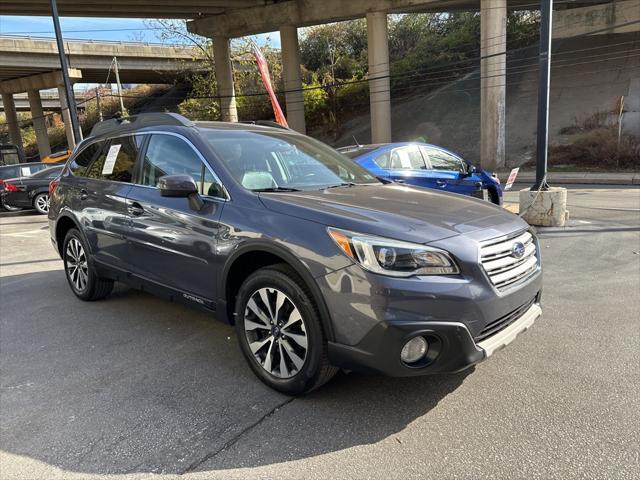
[407,158]
[117,161]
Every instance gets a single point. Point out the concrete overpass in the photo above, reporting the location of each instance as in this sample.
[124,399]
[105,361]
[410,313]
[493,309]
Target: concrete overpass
[50,101]
[222,20]
[32,64]
[138,62]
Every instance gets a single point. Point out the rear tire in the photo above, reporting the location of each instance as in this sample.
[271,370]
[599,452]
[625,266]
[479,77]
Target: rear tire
[280,332]
[41,203]
[80,270]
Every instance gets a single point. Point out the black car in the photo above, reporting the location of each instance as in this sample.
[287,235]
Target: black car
[317,263]
[30,192]
[18,171]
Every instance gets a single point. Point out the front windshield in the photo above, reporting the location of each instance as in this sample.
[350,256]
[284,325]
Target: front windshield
[264,161]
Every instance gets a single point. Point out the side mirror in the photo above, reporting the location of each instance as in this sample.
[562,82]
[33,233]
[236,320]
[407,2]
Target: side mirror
[471,169]
[177,186]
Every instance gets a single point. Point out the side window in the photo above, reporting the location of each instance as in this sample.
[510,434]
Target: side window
[407,158]
[441,160]
[383,161]
[120,160]
[117,161]
[95,169]
[415,158]
[81,162]
[169,155]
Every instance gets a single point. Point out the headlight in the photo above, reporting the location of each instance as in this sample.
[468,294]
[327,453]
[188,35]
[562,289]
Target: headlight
[393,257]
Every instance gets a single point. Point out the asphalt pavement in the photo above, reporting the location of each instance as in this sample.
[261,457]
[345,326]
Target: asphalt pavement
[134,385]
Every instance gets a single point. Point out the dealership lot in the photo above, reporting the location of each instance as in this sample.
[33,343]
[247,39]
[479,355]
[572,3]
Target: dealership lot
[135,385]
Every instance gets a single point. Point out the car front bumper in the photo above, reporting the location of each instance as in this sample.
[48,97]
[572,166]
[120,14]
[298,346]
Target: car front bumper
[451,348]
[373,317]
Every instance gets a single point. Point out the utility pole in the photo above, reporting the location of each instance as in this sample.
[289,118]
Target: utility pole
[98,104]
[541,204]
[544,77]
[123,112]
[71,99]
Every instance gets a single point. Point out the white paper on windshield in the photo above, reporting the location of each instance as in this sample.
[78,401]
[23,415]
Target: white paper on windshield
[25,171]
[110,161]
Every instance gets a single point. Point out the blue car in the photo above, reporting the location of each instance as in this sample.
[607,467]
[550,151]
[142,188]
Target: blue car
[428,166]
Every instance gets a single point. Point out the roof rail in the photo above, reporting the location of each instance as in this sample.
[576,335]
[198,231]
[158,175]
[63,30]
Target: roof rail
[266,123]
[139,121]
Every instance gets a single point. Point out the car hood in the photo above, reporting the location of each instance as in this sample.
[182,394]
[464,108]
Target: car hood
[396,211]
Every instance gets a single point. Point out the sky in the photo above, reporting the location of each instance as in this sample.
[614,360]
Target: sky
[88,28]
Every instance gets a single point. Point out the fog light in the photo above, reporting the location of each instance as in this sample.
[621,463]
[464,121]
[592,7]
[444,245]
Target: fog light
[414,350]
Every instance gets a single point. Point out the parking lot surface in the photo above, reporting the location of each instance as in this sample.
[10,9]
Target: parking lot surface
[135,385]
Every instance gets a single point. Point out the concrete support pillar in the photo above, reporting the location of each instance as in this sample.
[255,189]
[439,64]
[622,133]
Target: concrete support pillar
[379,85]
[66,117]
[224,78]
[493,45]
[292,79]
[12,120]
[39,125]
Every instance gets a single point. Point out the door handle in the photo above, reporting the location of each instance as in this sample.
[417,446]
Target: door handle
[441,182]
[84,194]
[135,209]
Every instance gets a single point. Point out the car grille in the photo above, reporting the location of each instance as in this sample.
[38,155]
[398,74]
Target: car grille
[503,322]
[502,266]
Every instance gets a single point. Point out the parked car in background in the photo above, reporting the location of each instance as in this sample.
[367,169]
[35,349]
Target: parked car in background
[57,157]
[317,263]
[426,165]
[10,154]
[30,192]
[18,171]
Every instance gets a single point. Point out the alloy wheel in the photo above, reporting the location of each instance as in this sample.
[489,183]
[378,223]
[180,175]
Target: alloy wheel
[77,266]
[276,332]
[42,203]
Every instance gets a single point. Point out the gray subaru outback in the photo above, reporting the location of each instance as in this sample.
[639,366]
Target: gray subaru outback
[317,263]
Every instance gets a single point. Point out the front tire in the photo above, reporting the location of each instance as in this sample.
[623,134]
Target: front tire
[41,203]
[280,332]
[80,270]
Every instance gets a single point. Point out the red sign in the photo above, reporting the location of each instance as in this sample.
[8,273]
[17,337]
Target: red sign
[512,178]
[263,68]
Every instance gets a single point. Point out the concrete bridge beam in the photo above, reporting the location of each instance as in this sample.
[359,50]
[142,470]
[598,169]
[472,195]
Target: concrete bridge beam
[39,125]
[12,120]
[493,45]
[224,78]
[66,118]
[379,84]
[292,80]
[40,81]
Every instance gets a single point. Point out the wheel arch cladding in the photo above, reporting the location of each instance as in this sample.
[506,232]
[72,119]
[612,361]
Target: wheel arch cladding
[248,260]
[63,225]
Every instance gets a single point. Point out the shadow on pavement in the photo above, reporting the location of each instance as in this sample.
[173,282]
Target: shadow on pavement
[136,384]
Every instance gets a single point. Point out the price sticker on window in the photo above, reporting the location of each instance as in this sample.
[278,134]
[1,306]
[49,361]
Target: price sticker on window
[25,171]
[110,161]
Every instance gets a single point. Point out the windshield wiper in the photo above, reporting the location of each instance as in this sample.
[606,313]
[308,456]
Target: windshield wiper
[344,184]
[276,189]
